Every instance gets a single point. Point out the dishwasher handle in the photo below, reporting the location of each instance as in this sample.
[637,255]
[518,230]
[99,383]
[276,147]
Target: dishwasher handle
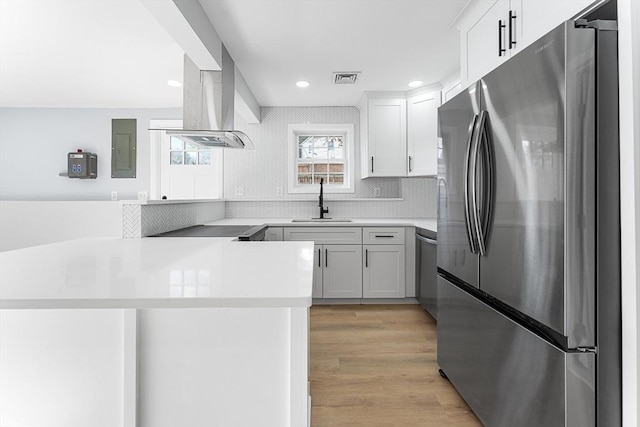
[426,239]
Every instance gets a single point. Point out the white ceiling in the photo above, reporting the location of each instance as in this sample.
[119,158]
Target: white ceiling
[112,53]
[392,42]
[85,53]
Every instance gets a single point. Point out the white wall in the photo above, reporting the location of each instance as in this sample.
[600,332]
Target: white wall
[35,143]
[30,223]
[629,54]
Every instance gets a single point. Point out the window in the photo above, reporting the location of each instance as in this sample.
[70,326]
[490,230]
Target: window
[186,153]
[321,152]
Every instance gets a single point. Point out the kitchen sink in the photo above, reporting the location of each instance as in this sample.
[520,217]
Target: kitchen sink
[320,220]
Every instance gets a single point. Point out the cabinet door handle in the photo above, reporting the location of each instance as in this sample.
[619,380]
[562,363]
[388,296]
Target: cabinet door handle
[512,28]
[501,26]
[319,258]
[410,169]
[371,164]
[366,257]
[326,258]
[384,235]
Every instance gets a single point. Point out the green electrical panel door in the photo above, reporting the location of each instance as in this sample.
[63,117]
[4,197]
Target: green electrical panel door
[123,148]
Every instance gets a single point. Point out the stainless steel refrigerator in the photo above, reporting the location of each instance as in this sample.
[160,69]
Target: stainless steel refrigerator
[529,327]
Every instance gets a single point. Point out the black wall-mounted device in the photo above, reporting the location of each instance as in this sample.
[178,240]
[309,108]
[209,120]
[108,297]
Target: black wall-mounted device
[82,165]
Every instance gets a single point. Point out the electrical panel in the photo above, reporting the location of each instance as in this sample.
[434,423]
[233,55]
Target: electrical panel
[82,165]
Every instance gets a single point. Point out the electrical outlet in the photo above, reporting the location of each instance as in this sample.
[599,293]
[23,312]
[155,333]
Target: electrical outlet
[142,196]
[114,195]
[376,192]
[279,191]
[239,191]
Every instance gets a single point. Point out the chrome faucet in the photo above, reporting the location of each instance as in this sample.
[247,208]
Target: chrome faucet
[323,210]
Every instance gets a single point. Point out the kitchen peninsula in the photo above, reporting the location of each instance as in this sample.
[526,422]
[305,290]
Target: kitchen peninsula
[155,332]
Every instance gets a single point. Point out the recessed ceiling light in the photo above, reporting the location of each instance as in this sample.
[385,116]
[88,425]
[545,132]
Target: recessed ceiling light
[415,83]
[302,83]
[174,83]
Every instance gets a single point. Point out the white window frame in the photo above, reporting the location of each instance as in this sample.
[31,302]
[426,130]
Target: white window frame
[343,129]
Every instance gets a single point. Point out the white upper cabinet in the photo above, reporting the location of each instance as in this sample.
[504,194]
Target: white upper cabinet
[383,133]
[492,31]
[422,134]
[399,132]
[487,39]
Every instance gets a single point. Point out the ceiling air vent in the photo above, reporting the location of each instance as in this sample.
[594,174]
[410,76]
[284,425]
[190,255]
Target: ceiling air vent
[347,78]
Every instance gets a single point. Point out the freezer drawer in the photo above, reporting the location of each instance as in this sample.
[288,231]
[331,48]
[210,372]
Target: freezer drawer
[508,375]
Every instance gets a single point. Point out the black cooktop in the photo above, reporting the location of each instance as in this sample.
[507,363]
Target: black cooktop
[208,231]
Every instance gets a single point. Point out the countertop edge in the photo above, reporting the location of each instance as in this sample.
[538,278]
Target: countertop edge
[429,224]
[151,303]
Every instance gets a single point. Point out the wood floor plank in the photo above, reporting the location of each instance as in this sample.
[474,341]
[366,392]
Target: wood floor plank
[375,365]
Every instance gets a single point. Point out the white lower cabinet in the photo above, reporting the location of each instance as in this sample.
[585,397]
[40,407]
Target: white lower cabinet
[384,271]
[345,268]
[342,271]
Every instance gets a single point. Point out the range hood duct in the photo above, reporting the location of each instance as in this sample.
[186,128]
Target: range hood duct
[208,107]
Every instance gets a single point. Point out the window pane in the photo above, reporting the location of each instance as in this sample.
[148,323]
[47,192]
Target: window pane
[305,147]
[336,179]
[335,146]
[190,157]
[317,178]
[190,146]
[304,179]
[176,144]
[336,167]
[175,157]
[320,151]
[304,167]
[320,168]
[204,157]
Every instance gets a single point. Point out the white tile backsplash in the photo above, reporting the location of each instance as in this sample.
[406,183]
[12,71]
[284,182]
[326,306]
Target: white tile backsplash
[418,201]
[141,220]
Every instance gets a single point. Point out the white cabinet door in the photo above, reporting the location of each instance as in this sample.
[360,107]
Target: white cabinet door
[422,134]
[386,137]
[317,272]
[384,271]
[342,274]
[486,42]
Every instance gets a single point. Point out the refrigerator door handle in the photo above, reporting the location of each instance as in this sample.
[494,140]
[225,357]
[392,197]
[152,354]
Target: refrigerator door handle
[467,175]
[477,139]
[484,213]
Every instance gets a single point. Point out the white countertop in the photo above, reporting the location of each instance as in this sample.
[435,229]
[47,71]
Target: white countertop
[428,224]
[157,273]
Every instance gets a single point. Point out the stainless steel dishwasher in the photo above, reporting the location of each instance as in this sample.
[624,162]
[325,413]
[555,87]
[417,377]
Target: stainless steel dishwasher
[426,274]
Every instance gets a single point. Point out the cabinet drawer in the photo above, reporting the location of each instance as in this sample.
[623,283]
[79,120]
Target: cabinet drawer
[325,235]
[383,236]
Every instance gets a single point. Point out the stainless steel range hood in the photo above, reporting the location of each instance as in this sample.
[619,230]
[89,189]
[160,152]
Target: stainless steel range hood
[208,107]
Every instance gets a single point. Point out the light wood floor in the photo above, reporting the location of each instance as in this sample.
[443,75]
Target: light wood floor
[375,365]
